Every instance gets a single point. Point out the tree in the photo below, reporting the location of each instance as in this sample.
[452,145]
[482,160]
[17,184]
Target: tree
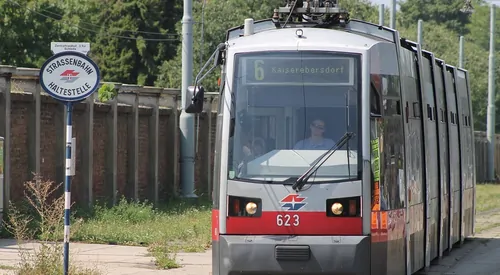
[134,37]
[27,27]
[233,13]
[361,9]
[445,12]
[444,43]
[128,39]
[479,26]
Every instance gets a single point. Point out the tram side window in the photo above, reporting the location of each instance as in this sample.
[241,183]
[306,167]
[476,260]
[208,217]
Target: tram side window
[387,134]
[374,100]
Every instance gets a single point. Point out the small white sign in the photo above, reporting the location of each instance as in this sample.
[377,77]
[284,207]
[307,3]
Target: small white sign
[58,47]
[69,76]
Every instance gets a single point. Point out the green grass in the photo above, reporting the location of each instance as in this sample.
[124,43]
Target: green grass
[179,226]
[184,225]
[482,228]
[7,267]
[487,197]
[487,200]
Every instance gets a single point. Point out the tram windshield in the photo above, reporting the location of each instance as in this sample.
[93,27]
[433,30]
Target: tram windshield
[290,108]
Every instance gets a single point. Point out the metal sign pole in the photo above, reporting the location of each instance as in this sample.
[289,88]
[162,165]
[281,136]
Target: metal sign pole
[67,184]
[69,76]
[1,180]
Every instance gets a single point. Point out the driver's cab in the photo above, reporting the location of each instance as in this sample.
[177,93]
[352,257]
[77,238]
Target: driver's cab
[289,109]
[279,132]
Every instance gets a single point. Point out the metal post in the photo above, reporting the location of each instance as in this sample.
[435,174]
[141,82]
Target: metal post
[186,121]
[2,202]
[420,31]
[490,128]
[461,52]
[381,13]
[67,185]
[393,14]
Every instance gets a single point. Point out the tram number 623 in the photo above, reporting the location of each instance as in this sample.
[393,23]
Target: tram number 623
[287,220]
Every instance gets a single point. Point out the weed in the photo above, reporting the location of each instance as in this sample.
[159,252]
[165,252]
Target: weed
[165,256]
[42,219]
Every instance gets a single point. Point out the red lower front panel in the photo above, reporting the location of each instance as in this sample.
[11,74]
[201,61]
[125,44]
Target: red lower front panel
[294,223]
[215,225]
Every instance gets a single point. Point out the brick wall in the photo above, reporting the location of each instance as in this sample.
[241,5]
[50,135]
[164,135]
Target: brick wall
[100,186]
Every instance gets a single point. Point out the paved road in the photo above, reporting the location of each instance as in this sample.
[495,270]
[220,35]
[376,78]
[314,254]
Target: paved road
[114,259]
[479,255]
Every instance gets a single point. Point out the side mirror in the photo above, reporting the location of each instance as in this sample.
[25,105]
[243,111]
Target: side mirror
[197,95]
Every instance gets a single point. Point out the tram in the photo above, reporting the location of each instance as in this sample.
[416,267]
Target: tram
[341,148]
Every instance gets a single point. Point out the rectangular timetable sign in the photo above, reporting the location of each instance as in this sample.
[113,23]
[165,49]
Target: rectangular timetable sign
[330,71]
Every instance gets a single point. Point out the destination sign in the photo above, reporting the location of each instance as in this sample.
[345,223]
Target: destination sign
[298,71]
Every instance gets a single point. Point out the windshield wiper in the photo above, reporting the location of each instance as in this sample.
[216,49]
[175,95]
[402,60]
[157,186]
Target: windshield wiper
[302,180]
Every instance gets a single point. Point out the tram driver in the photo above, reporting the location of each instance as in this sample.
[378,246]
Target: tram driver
[316,141]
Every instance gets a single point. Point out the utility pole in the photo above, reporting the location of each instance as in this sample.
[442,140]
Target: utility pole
[461,52]
[420,30]
[381,14]
[490,128]
[186,121]
[393,14]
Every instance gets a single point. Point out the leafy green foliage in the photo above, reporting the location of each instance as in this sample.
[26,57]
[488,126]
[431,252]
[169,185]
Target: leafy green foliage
[107,92]
[128,39]
[362,10]
[479,26]
[135,36]
[444,43]
[27,28]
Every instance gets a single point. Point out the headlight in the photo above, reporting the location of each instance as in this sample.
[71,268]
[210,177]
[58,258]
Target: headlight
[337,208]
[244,207]
[343,207]
[251,208]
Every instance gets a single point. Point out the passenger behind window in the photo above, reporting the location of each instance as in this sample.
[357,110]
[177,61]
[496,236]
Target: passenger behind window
[316,141]
[255,150]
[251,152]
[237,156]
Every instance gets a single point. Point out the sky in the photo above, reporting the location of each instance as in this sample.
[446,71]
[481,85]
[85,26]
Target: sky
[388,2]
[378,2]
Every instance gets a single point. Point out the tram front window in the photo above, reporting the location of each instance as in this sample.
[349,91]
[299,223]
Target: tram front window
[288,110]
